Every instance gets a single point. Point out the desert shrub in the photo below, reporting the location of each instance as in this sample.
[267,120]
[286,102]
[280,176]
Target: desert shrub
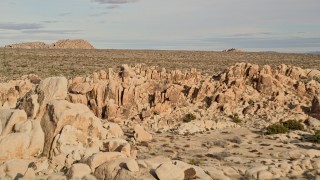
[251,102]
[276,129]
[189,117]
[293,125]
[236,139]
[220,143]
[195,162]
[220,155]
[316,137]
[235,118]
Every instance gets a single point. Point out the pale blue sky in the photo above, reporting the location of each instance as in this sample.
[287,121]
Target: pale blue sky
[253,25]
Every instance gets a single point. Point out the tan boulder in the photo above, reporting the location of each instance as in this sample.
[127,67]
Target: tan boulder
[9,118]
[169,171]
[22,144]
[141,135]
[16,168]
[114,130]
[60,113]
[35,102]
[114,169]
[80,88]
[78,171]
[132,165]
[101,157]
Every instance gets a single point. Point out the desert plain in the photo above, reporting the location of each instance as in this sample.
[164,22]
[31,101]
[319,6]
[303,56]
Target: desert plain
[150,114]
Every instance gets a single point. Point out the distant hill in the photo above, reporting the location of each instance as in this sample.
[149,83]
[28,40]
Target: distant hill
[313,52]
[61,44]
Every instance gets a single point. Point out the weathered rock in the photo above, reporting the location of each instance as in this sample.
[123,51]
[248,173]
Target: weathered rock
[132,165]
[16,168]
[141,135]
[78,171]
[110,169]
[60,113]
[114,130]
[9,118]
[99,158]
[168,171]
[154,162]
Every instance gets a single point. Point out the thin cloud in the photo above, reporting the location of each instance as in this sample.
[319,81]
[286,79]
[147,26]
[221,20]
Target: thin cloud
[65,14]
[98,14]
[51,31]
[114,1]
[113,7]
[20,26]
[49,22]
[251,34]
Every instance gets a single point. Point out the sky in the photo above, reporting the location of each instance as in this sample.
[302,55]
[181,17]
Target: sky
[251,25]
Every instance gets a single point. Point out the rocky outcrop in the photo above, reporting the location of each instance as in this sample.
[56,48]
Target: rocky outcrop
[71,44]
[28,45]
[232,50]
[92,125]
[60,44]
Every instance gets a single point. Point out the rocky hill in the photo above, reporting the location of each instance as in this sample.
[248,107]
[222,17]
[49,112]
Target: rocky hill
[143,122]
[61,44]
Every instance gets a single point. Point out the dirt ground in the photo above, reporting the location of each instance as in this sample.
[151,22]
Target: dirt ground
[17,62]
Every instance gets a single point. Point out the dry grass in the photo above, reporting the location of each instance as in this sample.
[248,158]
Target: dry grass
[17,62]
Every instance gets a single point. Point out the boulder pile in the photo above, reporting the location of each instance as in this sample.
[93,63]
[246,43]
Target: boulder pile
[75,128]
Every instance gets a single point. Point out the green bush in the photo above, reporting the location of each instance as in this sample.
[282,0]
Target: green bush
[276,129]
[235,118]
[195,162]
[293,125]
[316,137]
[189,117]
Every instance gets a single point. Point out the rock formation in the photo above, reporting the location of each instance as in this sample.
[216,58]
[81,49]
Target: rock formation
[60,44]
[232,50]
[90,127]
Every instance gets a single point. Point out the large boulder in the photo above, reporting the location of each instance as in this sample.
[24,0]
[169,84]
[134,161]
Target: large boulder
[9,118]
[141,135]
[60,113]
[27,141]
[169,171]
[35,102]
